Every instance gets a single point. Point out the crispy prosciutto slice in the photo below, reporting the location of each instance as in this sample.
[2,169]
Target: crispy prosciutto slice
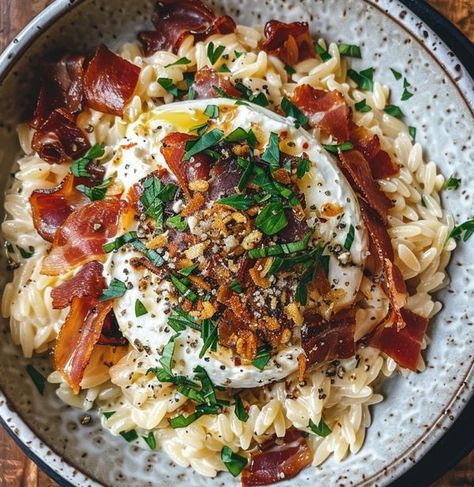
[356,169]
[80,238]
[61,87]
[402,345]
[59,139]
[173,149]
[291,42]
[207,79]
[78,336]
[176,19]
[109,82]
[87,282]
[328,340]
[111,334]
[277,460]
[326,110]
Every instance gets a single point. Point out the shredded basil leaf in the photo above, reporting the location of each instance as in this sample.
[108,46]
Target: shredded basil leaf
[406,95]
[236,286]
[262,357]
[412,132]
[289,69]
[233,462]
[189,78]
[169,86]
[238,201]
[350,238]
[238,54]
[199,129]
[95,193]
[187,271]
[129,435]
[452,183]
[325,264]
[240,410]
[200,144]
[212,111]
[80,167]
[184,421]
[394,111]
[335,148]
[272,152]
[214,53]
[39,380]
[396,74]
[178,222]
[224,69]
[258,99]
[364,79]
[179,62]
[301,293]
[278,249]
[140,309]
[246,175]
[463,231]
[179,320]
[291,110]
[240,134]
[302,167]
[108,414]
[209,336]
[362,106]
[166,359]
[271,219]
[150,440]
[321,429]
[155,193]
[349,50]
[183,288]
[116,289]
[322,53]
[26,254]
[406,83]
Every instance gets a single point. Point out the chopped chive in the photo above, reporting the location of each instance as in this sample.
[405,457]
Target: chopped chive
[236,287]
[238,201]
[289,69]
[262,358]
[209,337]
[183,288]
[406,95]
[233,462]
[166,359]
[150,440]
[335,148]
[351,50]
[187,271]
[39,380]
[364,79]
[350,238]
[239,409]
[179,320]
[396,74]
[169,86]
[463,231]
[179,62]
[394,111]
[291,110]
[212,111]
[278,249]
[129,435]
[322,53]
[412,132]
[362,106]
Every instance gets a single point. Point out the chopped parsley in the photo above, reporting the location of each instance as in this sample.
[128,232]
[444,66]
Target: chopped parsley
[291,110]
[322,53]
[39,380]
[320,429]
[271,219]
[179,62]
[233,462]
[262,358]
[95,193]
[116,289]
[150,440]
[361,106]
[351,50]
[364,79]
[394,111]
[178,222]
[140,309]
[80,167]
[463,231]
[335,148]
[396,74]
[202,143]
[452,183]
[214,53]
[240,410]
[350,238]
[238,201]
[169,86]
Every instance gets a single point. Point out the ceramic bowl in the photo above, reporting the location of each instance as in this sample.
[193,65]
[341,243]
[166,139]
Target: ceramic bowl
[418,408]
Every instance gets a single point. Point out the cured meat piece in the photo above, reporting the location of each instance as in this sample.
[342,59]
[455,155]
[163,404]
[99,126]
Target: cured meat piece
[225,175]
[111,334]
[81,237]
[109,82]
[207,79]
[291,43]
[59,139]
[88,282]
[328,340]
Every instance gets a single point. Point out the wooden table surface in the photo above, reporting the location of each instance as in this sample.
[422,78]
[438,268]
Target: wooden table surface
[16,470]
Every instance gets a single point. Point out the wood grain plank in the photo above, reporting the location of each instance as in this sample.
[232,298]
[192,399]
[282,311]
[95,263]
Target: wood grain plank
[16,470]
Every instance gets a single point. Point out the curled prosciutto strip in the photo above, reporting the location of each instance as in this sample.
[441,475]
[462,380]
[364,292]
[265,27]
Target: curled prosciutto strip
[109,82]
[291,42]
[87,282]
[80,238]
[207,80]
[402,345]
[174,20]
[59,139]
[77,338]
[328,340]
[61,87]
[278,459]
[111,334]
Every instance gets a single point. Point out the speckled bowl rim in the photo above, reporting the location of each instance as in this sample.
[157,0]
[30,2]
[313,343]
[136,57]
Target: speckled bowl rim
[452,39]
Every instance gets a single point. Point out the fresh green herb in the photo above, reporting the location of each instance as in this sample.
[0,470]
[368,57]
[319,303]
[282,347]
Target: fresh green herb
[423,202]
[183,288]
[189,78]
[80,167]
[349,238]
[406,83]
[278,249]
[238,201]
[325,264]
[166,359]
[362,106]
[271,219]
[129,435]
[187,271]
[108,414]
[209,337]
[452,183]
[179,320]
[179,380]
[289,69]
[463,231]
[207,387]
[239,409]
[224,69]
[140,309]
[258,99]
[212,111]
[238,54]
[272,152]
[26,254]
[150,440]
[246,175]
[95,193]
[291,110]
[116,289]
[302,167]
[364,79]
[393,110]
[240,134]
[262,357]
[214,53]
[335,148]
[152,255]
[233,462]
[200,144]
[178,222]
[169,86]
[406,95]
[321,429]
[322,53]
[39,380]
[199,129]
[179,62]
[184,421]
[412,132]
[155,193]
[120,242]
[349,50]
[236,286]
[396,74]
[301,293]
